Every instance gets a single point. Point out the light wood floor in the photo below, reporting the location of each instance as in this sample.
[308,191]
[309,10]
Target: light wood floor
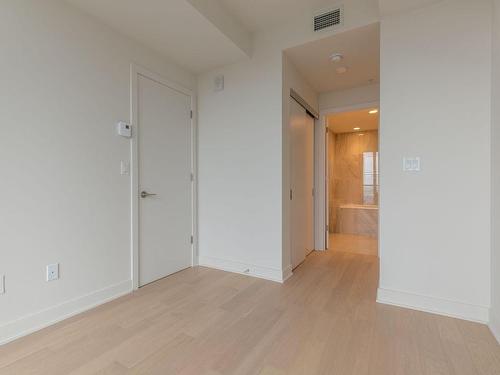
[324,320]
[353,243]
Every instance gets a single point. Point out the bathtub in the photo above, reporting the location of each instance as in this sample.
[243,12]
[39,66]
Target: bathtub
[358,219]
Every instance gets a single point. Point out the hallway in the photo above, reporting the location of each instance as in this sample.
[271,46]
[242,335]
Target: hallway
[352,243]
[323,320]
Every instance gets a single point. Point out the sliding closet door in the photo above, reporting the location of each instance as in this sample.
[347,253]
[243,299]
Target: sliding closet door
[301,182]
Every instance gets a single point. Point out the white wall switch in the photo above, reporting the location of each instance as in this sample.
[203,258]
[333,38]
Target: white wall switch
[2,284]
[124,129]
[124,167]
[52,272]
[411,164]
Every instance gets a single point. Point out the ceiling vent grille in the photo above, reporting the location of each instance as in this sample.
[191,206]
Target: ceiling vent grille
[328,19]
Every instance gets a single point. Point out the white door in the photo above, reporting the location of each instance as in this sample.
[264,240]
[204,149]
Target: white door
[302,182]
[165,187]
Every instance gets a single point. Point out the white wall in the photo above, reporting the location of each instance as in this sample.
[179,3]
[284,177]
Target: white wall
[239,164]
[350,97]
[65,84]
[435,103]
[495,168]
[241,152]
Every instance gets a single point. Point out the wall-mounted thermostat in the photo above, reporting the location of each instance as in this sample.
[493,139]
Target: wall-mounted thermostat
[124,129]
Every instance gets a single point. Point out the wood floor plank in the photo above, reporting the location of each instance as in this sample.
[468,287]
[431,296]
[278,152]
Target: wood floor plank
[323,320]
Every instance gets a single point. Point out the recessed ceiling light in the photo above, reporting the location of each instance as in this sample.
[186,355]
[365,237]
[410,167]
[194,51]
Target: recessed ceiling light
[373,111]
[336,57]
[341,70]
[356,129]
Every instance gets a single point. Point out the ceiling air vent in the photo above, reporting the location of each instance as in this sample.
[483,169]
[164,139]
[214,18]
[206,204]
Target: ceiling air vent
[328,19]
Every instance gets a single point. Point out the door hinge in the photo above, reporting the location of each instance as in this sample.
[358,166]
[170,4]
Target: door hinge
[192,240]
[291,194]
[192,176]
[191,114]
[313,192]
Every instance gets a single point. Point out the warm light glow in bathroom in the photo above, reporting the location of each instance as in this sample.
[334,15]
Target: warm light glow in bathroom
[373,111]
[341,70]
[357,129]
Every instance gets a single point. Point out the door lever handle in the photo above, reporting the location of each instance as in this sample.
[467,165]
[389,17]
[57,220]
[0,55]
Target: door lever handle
[145,194]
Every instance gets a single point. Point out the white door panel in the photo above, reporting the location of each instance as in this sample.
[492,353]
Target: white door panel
[165,219]
[301,182]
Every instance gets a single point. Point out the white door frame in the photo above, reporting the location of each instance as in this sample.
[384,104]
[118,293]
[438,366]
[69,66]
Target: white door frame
[320,204]
[135,72]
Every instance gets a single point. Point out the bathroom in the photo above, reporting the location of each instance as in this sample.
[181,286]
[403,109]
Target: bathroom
[353,181]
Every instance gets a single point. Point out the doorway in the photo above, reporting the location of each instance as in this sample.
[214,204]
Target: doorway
[352,159]
[163,187]
[339,74]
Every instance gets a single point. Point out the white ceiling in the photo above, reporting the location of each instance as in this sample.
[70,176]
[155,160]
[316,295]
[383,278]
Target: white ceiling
[203,34]
[387,7]
[259,15]
[345,122]
[361,50]
[174,28]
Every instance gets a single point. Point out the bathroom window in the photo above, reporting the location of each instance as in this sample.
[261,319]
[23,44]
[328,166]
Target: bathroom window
[370,178]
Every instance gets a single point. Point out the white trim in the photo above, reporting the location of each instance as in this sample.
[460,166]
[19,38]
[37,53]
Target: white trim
[433,305]
[354,107]
[194,167]
[135,71]
[267,273]
[495,326]
[320,154]
[320,184]
[287,273]
[39,320]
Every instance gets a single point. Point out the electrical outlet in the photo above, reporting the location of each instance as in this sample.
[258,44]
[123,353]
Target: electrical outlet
[53,272]
[2,284]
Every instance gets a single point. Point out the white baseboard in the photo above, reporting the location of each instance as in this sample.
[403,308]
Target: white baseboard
[287,272]
[267,273]
[196,261]
[495,326]
[34,322]
[433,305]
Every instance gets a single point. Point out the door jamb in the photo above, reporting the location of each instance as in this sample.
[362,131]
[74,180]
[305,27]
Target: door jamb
[135,72]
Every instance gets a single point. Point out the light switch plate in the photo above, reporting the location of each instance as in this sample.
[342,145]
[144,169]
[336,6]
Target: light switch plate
[52,272]
[411,164]
[124,167]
